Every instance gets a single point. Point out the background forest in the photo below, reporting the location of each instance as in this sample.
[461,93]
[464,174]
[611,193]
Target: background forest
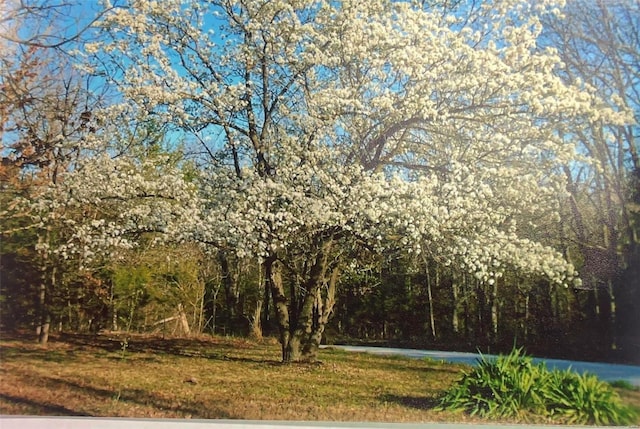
[274,179]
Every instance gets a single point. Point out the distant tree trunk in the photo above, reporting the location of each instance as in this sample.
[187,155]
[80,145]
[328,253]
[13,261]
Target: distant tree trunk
[612,316]
[113,313]
[494,311]
[229,280]
[553,302]
[482,307]
[465,306]
[42,330]
[432,320]
[526,317]
[214,311]
[256,319]
[455,314]
[202,299]
[184,323]
[266,316]
[47,281]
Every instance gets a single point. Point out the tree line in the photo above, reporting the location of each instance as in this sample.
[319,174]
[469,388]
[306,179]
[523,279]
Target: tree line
[433,175]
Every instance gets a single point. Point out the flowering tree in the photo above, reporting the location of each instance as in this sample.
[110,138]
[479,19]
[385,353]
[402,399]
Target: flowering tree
[330,127]
[68,184]
[44,114]
[108,203]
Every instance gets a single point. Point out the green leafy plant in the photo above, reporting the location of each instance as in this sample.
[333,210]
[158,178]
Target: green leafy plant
[513,385]
[503,387]
[623,384]
[584,399]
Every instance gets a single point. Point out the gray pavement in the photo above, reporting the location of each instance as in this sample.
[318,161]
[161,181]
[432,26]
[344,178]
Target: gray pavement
[604,371]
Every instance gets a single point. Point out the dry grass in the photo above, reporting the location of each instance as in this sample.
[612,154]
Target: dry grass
[217,378]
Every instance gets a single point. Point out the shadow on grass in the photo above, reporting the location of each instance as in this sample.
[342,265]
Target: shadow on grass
[131,354]
[142,397]
[137,345]
[187,347]
[95,398]
[42,408]
[418,402]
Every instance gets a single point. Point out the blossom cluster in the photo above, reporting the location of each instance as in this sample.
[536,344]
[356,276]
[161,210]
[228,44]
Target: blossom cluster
[395,125]
[106,204]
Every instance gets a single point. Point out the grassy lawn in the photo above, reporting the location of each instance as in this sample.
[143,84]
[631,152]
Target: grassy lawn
[219,378]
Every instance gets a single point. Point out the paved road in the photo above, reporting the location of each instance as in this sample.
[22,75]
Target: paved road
[605,371]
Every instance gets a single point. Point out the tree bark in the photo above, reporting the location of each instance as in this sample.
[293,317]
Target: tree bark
[323,307]
[42,329]
[273,273]
[494,312]
[465,306]
[455,316]
[526,318]
[256,321]
[266,316]
[612,317]
[184,323]
[48,279]
[229,280]
[301,321]
[432,320]
[303,332]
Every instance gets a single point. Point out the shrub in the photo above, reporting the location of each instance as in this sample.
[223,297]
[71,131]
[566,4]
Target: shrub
[583,399]
[513,385]
[501,388]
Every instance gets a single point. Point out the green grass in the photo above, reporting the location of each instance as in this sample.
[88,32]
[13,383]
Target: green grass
[221,378]
[623,384]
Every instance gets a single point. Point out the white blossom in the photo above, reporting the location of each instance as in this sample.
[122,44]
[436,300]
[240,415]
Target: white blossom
[380,121]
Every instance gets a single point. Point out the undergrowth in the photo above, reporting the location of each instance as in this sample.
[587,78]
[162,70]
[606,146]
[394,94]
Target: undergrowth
[513,386]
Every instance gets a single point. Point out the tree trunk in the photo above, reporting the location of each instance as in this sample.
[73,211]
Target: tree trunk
[432,320]
[112,307]
[303,330]
[48,280]
[213,313]
[273,274]
[184,323]
[266,316]
[465,306]
[256,321]
[229,280]
[481,312]
[494,311]
[455,316]
[300,332]
[612,317]
[526,318]
[42,330]
[202,299]
[323,307]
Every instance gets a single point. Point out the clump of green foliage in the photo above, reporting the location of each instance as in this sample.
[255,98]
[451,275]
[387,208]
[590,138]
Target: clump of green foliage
[624,384]
[513,386]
